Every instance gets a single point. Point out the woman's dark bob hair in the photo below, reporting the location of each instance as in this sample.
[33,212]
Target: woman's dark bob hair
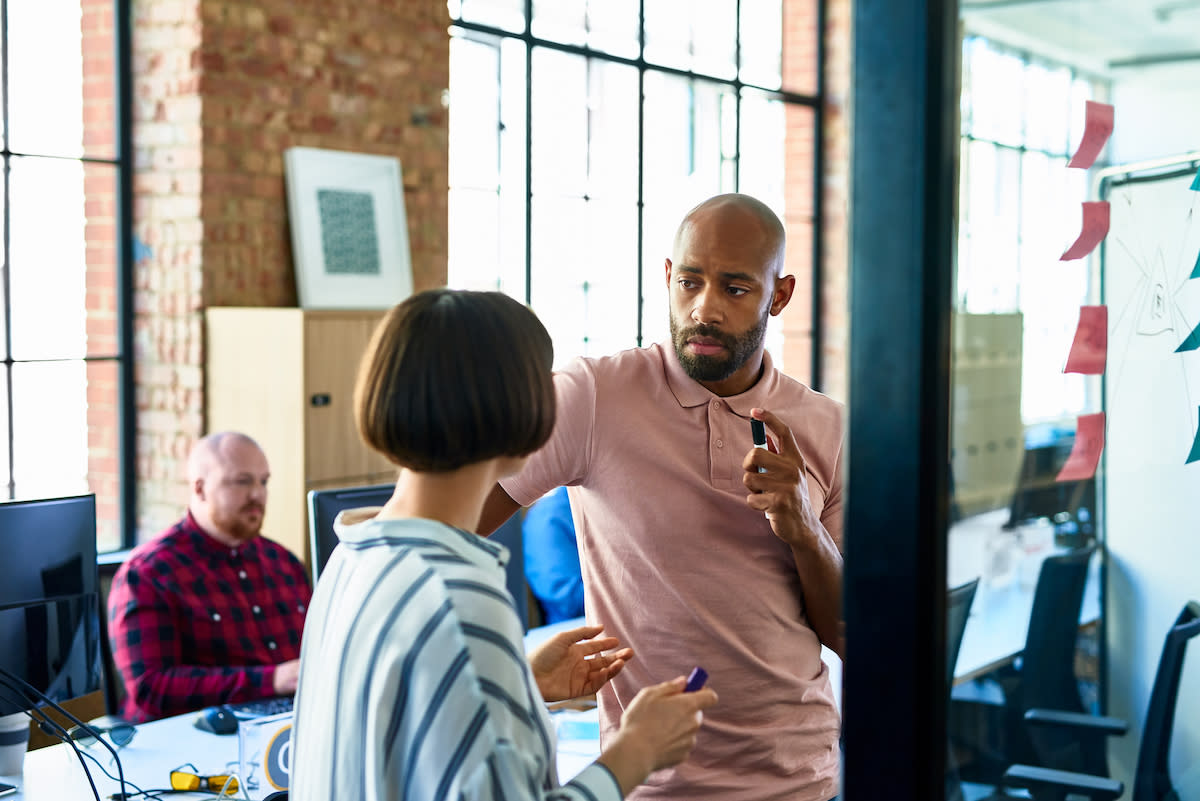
[454,377]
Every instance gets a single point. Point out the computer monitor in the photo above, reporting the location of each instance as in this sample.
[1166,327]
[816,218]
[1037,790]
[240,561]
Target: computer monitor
[49,606]
[324,506]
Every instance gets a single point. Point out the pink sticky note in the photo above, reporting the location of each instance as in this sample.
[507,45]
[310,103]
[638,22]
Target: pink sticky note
[1095,228]
[1097,127]
[1089,351]
[1085,453]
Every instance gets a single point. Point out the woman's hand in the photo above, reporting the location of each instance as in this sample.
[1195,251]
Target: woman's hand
[572,663]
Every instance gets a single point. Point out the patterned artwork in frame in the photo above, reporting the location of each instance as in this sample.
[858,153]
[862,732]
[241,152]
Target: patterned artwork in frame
[349,229]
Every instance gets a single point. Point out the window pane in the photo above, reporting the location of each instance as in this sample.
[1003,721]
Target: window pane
[763,169]
[560,21]
[701,37]
[613,124]
[659,221]
[487,165]
[55,50]
[63,250]
[50,451]
[67,438]
[613,26]
[474,113]
[761,52]
[686,142]
[1047,104]
[560,122]
[997,93]
[587,302]
[508,15]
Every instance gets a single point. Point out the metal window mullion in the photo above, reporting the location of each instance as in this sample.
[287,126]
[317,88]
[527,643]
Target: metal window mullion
[127,413]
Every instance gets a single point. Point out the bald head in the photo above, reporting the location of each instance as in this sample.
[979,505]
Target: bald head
[227,474]
[736,215]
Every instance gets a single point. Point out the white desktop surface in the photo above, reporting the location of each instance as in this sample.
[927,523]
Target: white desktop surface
[1007,564]
[53,773]
[157,749]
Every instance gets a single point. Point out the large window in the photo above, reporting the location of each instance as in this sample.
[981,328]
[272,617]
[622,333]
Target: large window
[580,133]
[1020,209]
[65,366]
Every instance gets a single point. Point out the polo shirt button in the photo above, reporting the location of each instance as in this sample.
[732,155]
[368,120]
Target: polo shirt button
[233,552]
[241,574]
[716,404]
[720,443]
[257,609]
[299,607]
[271,644]
[216,616]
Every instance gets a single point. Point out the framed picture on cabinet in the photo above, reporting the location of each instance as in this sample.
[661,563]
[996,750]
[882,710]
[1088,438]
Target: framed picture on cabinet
[349,229]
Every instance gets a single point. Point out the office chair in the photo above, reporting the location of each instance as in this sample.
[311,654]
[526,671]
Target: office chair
[1152,776]
[958,607]
[987,716]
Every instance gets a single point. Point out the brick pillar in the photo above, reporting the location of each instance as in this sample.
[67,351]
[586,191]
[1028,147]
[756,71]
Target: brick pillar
[222,88]
[799,74]
[100,237]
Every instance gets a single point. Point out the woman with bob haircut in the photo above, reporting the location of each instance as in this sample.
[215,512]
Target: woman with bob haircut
[413,681]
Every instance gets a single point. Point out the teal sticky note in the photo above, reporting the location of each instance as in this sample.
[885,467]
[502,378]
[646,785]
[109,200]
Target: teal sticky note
[1196,183]
[1196,269]
[1194,456]
[1191,343]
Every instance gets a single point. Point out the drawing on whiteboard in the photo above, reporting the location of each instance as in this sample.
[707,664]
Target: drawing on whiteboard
[1153,379]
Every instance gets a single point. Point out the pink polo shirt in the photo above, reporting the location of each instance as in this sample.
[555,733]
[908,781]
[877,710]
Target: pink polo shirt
[683,571]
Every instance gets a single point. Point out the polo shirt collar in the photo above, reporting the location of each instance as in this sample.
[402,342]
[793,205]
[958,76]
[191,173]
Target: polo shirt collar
[690,392]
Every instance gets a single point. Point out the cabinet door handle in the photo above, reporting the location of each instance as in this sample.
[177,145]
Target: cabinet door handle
[320,399]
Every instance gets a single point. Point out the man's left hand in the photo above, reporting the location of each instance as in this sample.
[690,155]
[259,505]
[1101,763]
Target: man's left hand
[782,491]
[573,663]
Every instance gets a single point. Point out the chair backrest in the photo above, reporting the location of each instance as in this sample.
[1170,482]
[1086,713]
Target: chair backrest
[958,607]
[1152,779]
[1048,661]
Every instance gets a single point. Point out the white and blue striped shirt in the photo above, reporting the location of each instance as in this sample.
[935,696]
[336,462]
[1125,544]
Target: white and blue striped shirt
[413,680]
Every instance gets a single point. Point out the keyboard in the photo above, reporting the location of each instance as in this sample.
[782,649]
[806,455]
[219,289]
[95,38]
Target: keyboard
[263,707]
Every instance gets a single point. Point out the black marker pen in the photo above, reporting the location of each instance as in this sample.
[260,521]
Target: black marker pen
[759,432]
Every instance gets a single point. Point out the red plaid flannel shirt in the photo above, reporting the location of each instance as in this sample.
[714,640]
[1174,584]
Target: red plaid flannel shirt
[194,622]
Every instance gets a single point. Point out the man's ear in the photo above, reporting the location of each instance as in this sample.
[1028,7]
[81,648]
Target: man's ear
[198,488]
[784,287]
[667,266]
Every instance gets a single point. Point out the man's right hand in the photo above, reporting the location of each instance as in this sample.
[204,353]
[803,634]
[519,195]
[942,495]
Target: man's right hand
[286,674]
[658,730]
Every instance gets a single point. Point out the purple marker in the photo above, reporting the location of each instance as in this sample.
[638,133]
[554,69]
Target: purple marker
[696,680]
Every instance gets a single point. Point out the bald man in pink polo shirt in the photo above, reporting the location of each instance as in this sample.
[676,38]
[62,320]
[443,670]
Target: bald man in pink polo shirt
[690,554]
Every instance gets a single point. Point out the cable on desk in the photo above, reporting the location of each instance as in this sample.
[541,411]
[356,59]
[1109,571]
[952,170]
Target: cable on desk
[16,682]
[47,725]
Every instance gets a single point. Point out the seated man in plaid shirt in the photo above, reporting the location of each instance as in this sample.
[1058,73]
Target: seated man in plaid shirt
[210,612]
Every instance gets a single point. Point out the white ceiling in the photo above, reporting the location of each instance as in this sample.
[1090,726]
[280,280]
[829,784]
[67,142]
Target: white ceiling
[1106,37]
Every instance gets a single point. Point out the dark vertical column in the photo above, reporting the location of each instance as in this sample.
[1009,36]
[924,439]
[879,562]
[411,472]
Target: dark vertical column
[904,150]
[126,392]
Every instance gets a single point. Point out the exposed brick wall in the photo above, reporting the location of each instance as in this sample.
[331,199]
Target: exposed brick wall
[799,70]
[222,87]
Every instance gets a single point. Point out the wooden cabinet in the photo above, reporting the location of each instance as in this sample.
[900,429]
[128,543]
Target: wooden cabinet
[285,376]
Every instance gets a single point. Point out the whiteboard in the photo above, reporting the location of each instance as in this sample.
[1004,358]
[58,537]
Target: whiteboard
[1152,402]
